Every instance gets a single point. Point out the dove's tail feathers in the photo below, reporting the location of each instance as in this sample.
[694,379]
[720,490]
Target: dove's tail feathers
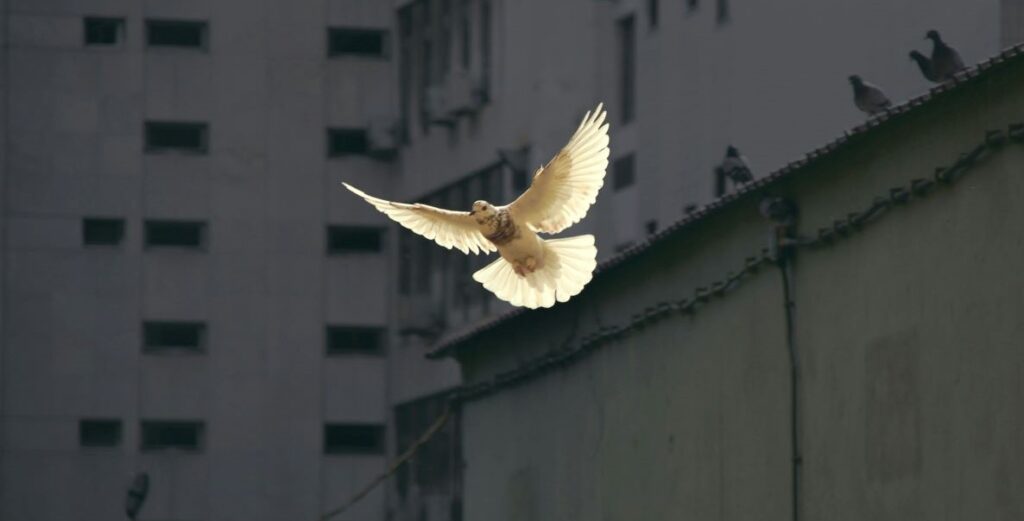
[568,266]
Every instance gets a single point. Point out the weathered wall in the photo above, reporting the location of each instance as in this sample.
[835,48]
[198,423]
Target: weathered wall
[908,335]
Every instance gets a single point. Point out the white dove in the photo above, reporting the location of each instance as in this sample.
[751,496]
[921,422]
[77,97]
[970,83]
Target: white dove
[531,272]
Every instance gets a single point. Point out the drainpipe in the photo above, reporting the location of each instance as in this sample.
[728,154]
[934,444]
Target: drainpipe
[783,214]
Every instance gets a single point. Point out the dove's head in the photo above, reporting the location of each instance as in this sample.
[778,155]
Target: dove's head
[731,151]
[933,35]
[483,210]
[855,80]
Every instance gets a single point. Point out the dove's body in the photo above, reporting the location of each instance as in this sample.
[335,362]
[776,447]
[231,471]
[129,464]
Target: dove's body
[531,271]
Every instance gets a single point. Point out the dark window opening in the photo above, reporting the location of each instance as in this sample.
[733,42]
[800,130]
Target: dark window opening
[343,340]
[158,336]
[179,34]
[102,231]
[445,38]
[354,239]
[180,136]
[177,234]
[99,433]
[104,31]
[358,42]
[692,5]
[353,439]
[186,435]
[405,41]
[347,141]
[623,172]
[627,68]
[652,13]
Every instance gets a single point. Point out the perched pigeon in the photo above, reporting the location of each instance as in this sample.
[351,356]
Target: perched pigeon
[925,65]
[531,272]
[735,166]
[946,62]
[868,98]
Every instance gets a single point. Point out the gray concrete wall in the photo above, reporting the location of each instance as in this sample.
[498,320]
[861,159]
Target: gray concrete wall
[907,334]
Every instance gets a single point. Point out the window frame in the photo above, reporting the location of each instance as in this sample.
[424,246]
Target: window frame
[336,153]
[121,226]
[118,436]
[377,350]
[149,126]
[383,33]
[201,332]
[120,31]
[202,25]
[332,251]
[619,184]
[200,435]
[379,448]
[147,242]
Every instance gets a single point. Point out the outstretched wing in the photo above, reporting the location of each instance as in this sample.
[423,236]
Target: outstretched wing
[563,190]
[448,228]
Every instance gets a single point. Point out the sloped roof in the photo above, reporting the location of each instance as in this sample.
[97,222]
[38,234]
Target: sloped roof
[449,343]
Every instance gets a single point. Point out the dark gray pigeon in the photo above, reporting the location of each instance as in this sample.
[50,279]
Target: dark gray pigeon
[946,62]
[925,65]
[735,166]
[868,98]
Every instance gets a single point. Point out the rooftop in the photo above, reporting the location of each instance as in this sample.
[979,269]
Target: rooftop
[448,344]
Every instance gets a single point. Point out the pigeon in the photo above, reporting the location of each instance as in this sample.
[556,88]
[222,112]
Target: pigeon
[868,98]
[946,62]
[925,64]
[735,166]
[531,271]
[136,495]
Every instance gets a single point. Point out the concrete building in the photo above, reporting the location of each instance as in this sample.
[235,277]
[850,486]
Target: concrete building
[187,291]
[867,368]
[182,295]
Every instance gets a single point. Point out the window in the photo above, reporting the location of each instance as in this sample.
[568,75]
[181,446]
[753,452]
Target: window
[185,435]
[627,68]
[652,14]
[485,50]
[354,239]
[623,172]
[465,36]
[347,142]
[355,340]
[102,231]
[340,438]
[405,39]
[357,42]
[445,38]
[99,433]
[167,335]
[175,234]
[176,136]
[722,12]
[103,31]
[176,34]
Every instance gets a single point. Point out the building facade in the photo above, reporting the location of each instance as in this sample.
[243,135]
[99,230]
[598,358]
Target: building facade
[188,292]
[868,368]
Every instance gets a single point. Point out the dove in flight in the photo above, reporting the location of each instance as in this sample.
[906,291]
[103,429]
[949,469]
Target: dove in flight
[531,271]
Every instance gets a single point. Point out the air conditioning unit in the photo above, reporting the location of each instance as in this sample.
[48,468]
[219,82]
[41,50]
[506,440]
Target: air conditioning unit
[438,109]
[383,135]
[480,88]
[461,97]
